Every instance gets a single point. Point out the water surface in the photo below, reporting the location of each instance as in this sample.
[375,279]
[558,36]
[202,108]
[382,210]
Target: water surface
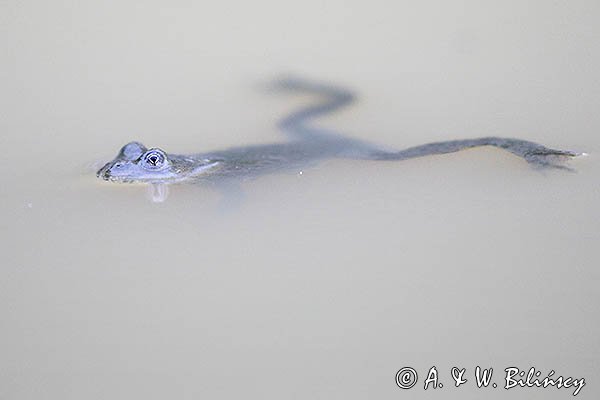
[324,281]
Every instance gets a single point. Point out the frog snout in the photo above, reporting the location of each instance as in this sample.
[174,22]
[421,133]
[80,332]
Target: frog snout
[102,172]
[105,172]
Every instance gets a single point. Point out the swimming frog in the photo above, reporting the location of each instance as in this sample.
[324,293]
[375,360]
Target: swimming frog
[306,145]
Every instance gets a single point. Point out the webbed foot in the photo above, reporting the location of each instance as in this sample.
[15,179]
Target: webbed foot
[549,158]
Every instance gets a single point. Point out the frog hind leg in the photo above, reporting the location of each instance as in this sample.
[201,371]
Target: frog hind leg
[297,123]
[535,154]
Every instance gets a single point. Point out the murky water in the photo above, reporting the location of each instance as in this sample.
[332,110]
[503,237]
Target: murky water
[323,282]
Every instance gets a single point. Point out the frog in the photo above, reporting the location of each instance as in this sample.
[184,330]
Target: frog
[306,145]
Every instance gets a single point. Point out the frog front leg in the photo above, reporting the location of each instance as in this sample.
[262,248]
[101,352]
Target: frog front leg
[157,192]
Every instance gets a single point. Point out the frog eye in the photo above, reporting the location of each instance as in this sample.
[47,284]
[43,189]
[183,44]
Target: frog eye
[154,159]
[132,151]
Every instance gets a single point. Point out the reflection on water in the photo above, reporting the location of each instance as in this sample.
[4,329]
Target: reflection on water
[324,280]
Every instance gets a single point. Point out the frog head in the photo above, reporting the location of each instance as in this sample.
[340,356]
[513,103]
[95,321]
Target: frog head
[136,163]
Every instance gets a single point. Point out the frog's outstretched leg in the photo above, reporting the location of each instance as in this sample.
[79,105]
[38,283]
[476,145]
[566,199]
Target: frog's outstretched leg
[296,123]
[534,153]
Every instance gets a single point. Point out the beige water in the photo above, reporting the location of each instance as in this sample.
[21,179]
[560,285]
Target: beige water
[324,282]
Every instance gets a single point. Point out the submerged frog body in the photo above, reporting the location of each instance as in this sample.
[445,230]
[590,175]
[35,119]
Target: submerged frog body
[136,163]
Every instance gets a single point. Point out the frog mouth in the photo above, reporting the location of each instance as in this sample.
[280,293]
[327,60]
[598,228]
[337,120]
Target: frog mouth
[118,180]
[109,178]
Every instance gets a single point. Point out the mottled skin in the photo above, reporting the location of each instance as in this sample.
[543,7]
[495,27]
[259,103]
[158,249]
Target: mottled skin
[136,163]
